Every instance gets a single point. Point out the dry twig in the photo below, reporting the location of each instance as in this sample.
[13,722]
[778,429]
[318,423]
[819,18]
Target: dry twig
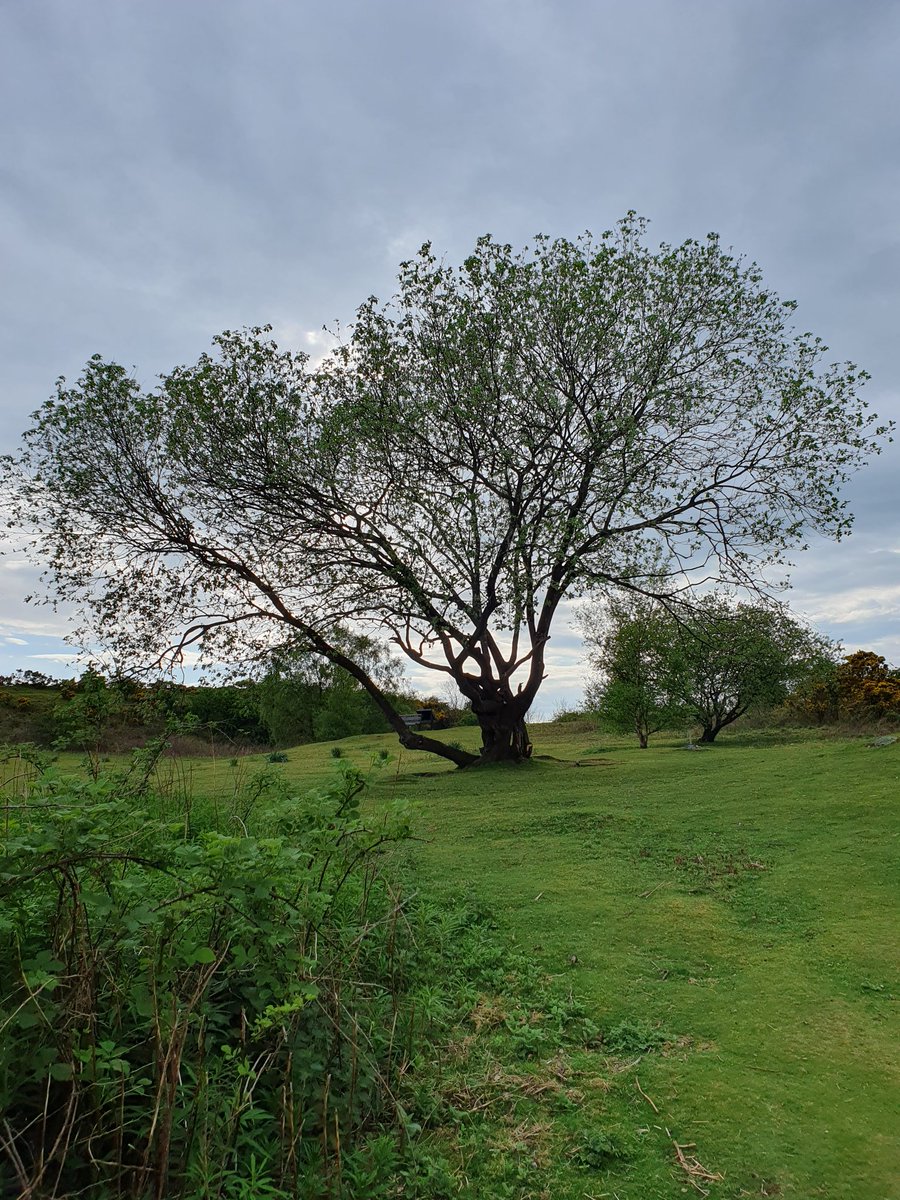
[650,891]
[694,1169]
[637,1084]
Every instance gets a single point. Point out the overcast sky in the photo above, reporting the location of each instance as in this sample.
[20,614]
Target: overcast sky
[172,168]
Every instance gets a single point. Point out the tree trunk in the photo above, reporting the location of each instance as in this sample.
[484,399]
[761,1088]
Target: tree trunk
[417,741]
[709,734]
[504,737]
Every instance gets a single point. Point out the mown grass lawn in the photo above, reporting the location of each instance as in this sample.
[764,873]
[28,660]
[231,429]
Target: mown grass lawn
[739,903]
[742,900]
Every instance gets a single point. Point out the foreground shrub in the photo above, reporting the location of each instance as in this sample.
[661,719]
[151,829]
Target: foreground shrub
[191,1012]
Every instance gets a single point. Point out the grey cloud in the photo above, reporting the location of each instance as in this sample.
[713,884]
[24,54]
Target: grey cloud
[168,170]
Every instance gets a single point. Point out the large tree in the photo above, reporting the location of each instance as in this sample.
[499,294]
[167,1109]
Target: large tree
[498,437]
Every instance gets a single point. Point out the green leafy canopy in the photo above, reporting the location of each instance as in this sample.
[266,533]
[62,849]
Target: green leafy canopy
[499,436]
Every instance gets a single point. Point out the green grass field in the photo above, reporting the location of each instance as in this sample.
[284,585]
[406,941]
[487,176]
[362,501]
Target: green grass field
[741,900]
[745,900]
[736,909]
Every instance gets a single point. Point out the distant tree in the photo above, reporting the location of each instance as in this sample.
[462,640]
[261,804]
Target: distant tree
[705,664]
[32,679]
[499,437]
[347,711]
[629,645]
[84,720]
[727,657]
[227,712]
[303,697]
[815,697]
[287,706]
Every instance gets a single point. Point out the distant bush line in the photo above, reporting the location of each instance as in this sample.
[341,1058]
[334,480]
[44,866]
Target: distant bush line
[107,715]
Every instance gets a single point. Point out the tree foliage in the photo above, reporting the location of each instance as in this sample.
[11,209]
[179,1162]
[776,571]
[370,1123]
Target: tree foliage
[732,656]
[28,679]
[629,643]
[304,698]
[496,438]
[705,665]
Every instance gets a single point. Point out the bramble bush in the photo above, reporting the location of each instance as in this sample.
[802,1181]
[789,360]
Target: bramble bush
[208,1006]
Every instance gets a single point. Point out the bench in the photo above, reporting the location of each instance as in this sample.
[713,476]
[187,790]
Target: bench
[422,716]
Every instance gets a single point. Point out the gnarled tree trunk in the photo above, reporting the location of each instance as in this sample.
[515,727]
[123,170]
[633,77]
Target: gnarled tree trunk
[501,716]
[504,739]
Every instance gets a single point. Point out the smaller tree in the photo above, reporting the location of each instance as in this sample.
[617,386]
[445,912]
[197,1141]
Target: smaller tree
[815,698]
[84,720]
[629,642]
[228,712]
[708,664]
[727,657]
